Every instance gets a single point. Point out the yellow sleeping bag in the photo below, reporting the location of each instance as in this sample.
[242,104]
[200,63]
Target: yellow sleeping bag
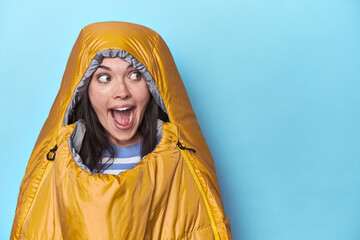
[172,193]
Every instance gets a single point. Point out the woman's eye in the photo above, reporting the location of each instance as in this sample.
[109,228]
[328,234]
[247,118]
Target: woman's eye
[104,78]
[135,76]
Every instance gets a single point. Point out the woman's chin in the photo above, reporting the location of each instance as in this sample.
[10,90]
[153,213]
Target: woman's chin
[125,140]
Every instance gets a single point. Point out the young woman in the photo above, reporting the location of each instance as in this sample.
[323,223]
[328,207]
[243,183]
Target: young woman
[113,108]
[121,155]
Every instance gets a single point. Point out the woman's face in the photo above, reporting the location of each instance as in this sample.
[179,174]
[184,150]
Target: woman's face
[119,95]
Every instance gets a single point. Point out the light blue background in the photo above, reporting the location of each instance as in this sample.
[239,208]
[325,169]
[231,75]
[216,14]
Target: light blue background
[275,86]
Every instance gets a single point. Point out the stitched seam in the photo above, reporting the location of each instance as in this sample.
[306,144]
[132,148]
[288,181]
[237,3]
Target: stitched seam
[198,184]
[152,52]
[35,195]
[156,42]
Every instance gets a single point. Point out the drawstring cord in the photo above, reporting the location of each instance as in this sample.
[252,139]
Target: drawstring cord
[51,154]
[185,148]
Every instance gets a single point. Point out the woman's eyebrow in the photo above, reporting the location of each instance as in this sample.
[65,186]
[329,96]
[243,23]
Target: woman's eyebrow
[130,67]
[104,67]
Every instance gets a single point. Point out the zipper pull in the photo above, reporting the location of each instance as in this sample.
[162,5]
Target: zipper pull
[51,154]
[185,148]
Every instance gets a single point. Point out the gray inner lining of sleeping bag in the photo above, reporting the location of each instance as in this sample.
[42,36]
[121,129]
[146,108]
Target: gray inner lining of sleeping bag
[75,140]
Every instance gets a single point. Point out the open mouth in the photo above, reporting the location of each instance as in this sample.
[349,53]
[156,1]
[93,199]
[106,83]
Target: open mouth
[123,117]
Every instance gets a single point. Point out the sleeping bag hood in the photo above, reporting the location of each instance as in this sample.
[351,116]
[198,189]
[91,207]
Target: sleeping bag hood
[172,193]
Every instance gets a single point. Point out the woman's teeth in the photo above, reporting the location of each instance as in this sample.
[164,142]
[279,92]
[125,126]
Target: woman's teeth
[122,109]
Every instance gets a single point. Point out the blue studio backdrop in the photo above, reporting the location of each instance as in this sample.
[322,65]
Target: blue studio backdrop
[274,84]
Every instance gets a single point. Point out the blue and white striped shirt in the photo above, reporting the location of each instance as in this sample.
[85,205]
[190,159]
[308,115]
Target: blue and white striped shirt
[124,158]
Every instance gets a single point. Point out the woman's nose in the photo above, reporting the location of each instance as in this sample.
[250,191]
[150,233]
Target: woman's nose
[121,90]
